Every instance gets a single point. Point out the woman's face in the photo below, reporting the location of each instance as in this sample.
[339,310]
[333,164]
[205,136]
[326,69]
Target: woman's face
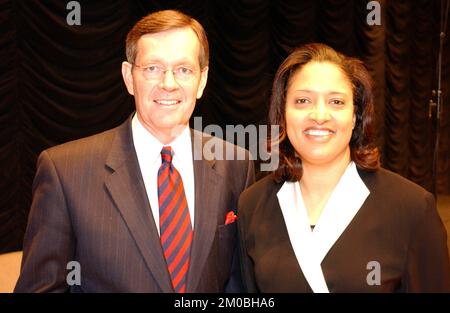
[319,113]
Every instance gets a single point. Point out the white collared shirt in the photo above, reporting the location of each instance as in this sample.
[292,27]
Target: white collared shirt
[148,151]
[311,247]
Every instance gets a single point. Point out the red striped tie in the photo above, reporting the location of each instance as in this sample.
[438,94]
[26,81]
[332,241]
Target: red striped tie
[174,221]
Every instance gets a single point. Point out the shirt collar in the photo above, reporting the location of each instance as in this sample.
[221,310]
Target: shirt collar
[145,141]
[182,146]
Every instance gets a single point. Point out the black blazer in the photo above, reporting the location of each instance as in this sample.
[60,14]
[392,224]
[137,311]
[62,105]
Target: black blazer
[90,206]
[397,226]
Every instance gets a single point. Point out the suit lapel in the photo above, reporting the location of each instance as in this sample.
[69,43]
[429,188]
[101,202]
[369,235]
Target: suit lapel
[310,248]
[344,203]
[126,187]
[208,185]
[298,227]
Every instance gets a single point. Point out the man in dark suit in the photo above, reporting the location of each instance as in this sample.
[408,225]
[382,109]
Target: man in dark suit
[133,209]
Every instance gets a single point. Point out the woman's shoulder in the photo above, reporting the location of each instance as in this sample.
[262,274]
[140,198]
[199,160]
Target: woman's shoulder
[390,187]
[388,179]
[260,190]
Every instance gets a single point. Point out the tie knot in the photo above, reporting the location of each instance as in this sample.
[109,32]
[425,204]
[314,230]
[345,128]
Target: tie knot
[166,154]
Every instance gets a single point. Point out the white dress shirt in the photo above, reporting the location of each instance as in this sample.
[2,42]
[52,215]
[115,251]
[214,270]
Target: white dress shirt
[148,150]
[311,247]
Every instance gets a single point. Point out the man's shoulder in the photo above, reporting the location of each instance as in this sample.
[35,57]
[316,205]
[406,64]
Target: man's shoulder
[231,162]
[89,141]
[84,148]
[216,145]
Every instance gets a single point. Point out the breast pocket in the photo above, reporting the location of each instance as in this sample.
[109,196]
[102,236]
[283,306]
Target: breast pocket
[226,235]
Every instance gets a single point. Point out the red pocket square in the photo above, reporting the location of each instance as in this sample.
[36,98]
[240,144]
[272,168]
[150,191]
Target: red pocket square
[230,218]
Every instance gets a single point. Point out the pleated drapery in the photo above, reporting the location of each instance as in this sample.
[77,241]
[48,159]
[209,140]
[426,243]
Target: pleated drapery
[60,82]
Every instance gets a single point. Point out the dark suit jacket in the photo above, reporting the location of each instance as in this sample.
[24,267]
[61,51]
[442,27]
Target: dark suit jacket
[397,226]
[90,206]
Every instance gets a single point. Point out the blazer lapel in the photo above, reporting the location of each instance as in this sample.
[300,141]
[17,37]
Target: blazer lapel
[126,187]
[342,206]
[298,227]
[208,184]
[310,248]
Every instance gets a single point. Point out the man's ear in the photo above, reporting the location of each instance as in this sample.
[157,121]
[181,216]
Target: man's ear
[127,76]
[203,80]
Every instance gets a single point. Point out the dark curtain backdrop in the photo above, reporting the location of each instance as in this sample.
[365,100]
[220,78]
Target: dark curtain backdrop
[61,82]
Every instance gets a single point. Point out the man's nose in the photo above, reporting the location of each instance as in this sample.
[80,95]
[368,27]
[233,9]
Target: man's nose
[168,80]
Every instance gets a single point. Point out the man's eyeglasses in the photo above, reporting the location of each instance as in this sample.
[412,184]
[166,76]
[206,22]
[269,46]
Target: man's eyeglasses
[156,72]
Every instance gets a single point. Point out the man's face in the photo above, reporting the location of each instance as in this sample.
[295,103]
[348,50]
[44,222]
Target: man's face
[166,81]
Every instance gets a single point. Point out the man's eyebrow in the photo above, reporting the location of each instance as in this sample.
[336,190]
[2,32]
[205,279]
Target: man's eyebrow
[151,60]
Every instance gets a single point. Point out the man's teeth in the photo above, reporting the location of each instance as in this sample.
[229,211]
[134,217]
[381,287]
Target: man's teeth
[318,132]
[167,102]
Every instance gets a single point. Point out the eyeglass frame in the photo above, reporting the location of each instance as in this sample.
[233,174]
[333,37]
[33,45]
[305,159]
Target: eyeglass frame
[163,72]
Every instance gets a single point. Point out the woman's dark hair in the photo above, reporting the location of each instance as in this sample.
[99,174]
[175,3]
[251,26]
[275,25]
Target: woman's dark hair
[362,143]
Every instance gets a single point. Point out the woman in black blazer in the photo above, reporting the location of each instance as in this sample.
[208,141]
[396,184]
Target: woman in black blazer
[329,219]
